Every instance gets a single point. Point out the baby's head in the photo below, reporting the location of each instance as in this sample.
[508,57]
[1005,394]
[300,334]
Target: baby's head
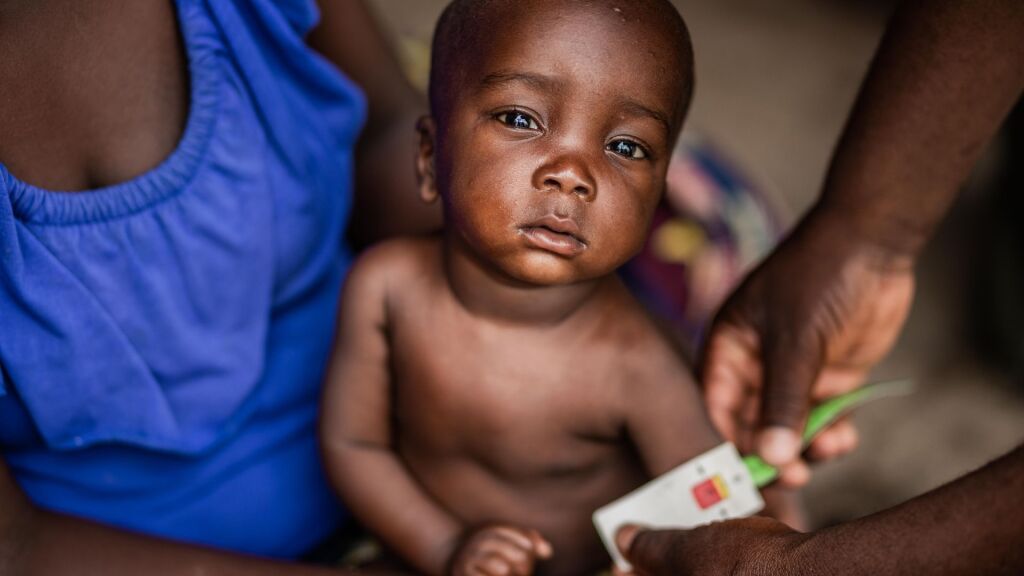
[552,123]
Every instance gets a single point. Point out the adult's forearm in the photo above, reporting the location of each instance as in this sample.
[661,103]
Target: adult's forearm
[386,199]
[47,544]
[34,542]
[973,525]
[946,74]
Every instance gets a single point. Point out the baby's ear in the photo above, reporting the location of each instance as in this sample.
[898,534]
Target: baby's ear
[425,159]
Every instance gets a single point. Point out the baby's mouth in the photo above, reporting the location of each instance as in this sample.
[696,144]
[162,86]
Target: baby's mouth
[557,235]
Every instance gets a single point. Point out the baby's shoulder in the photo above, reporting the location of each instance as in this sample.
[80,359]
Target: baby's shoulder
[398,255]
[398,263]
[644,348]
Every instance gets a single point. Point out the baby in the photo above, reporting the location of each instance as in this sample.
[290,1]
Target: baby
[494,385]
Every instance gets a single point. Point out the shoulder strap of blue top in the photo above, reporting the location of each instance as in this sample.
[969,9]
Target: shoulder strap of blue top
[289,84]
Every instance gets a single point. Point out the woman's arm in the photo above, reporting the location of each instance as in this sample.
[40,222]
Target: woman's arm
[386,202]
[355,426]
[34,542]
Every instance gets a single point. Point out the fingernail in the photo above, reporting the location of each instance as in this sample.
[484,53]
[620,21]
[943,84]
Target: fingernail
[778,445]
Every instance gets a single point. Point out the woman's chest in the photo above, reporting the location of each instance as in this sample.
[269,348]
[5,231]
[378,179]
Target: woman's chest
[86,110]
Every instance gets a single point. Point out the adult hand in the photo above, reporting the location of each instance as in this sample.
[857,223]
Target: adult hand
[500,551]
[829,302]
[969,526]
[750,546]
[808,323]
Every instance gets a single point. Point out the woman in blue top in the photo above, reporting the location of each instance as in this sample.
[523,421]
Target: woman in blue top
[163,329]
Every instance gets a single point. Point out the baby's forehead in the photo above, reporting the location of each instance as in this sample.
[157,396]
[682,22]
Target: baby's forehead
[645,24]
[477,37]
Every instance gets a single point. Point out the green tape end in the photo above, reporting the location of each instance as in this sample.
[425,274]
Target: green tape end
[823,415]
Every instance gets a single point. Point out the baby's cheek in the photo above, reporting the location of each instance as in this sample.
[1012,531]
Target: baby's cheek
[626,226]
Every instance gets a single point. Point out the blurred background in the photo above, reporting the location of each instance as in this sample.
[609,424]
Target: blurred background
[775,81]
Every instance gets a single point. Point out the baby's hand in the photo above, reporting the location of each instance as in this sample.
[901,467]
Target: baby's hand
[500,551]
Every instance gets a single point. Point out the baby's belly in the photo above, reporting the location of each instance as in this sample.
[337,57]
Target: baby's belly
[557,502]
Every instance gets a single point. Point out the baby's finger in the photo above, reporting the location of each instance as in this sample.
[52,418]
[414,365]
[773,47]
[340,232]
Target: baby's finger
[521,560]
[529,541]
[541,547]
[494,565]
[514,535]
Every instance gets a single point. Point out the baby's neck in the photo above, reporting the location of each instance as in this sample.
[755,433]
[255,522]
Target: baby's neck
[486,293]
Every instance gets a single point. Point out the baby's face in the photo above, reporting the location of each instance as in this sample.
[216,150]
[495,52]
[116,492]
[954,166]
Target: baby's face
[553,155]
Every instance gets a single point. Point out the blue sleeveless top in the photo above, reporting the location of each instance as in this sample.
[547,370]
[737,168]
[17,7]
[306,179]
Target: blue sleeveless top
[163,340]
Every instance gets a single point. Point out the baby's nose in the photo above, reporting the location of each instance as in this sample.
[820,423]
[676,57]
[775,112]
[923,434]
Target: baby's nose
[568,175]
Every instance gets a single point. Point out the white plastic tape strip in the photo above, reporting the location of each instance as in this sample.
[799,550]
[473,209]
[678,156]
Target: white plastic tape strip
[713,486]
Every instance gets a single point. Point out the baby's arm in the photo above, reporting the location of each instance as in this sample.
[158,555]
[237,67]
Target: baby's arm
[663,410]
[355,427]
[666,421]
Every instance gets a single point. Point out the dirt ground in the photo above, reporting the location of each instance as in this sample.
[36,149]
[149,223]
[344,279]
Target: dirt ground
[775,81]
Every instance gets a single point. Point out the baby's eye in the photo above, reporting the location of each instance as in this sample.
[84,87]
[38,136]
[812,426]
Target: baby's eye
[517,120]
[627,149]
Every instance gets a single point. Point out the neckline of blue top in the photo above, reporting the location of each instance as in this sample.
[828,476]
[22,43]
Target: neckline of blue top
[40,206]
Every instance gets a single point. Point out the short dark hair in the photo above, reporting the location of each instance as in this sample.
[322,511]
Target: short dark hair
[462,22]
[455,27]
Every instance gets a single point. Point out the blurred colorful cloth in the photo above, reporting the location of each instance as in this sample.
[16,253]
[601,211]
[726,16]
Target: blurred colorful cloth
[711,226]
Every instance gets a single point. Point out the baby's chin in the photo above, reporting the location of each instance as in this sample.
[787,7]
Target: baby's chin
[544,269]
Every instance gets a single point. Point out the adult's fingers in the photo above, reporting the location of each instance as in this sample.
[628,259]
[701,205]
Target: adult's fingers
[795,474]
[838,439]
[791,367]
[653,552]
[730,373]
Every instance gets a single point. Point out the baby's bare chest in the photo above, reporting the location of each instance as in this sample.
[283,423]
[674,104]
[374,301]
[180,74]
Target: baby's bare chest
[532,401]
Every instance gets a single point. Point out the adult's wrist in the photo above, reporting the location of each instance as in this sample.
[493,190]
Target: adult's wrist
[809,554]
[890,243]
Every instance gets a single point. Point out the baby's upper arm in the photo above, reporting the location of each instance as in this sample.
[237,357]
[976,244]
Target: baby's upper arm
[663,408]
[355,404]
